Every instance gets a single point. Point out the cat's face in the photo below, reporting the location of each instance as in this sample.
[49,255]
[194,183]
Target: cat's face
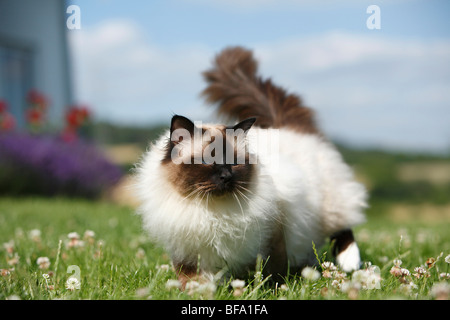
[208,161]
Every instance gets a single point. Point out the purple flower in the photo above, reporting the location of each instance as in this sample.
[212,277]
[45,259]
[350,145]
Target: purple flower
[48,165]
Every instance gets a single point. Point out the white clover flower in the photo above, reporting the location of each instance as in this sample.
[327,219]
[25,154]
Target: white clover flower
[73,235]
[258,276]
[173,284]
[310,274]
[327,274]
[396,271]
[447,259]
[368,278]
[347,286]
[140,253]
[397,262]
[13,260]
[440,291]
[208,289]
[373,281]
[163,267]
[73,284]
[142,292]
[43,262]
[339,275]
[238,287]
[444,275]
[9,246]
[328,265]
[360,276]
[406,288]
[237,284]
[4,272]
[430,262]
[405,272]
[191,287]
[284,287]
[420,272]
[337,284]
[89,234]
[74,240]
[35,235]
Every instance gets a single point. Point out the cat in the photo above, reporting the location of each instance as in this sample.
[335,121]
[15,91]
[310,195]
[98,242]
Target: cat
[213,196]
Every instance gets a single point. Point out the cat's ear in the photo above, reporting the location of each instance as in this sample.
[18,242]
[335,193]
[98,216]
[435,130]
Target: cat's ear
[181,128]
[245,124]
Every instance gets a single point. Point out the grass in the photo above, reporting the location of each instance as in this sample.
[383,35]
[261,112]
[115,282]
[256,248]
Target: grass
[119,262]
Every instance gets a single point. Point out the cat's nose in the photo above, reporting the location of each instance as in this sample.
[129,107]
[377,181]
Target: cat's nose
[225,176]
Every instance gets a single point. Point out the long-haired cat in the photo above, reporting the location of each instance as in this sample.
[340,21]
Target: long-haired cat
[214,198]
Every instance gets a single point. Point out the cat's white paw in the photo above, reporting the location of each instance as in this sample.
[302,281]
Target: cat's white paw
[349,259]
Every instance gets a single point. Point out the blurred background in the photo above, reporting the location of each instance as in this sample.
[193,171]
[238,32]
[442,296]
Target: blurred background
[86,84]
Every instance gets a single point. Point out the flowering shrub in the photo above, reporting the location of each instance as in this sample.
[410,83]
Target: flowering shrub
[76,117]
[49,165]
[37,164]
[36,114]
[7,121]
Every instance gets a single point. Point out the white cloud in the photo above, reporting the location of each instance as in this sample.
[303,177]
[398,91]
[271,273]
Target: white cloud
[127,78]
[366,89]
[374,90]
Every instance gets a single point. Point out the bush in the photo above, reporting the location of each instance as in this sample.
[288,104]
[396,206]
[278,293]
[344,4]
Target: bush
[47,165]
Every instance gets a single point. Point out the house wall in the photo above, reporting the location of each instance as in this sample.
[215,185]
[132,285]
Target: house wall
[34,33]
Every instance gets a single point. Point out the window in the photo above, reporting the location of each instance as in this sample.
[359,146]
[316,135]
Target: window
[16,78]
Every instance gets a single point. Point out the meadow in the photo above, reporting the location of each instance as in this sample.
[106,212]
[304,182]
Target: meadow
[48,242]
[75,248]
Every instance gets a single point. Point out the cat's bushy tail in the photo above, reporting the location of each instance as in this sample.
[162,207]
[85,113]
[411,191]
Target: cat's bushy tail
[234,85]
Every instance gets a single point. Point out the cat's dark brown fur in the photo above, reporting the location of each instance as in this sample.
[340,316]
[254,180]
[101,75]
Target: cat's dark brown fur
[240,93]
[215,178]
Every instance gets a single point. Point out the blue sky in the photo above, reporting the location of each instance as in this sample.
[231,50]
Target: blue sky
[141,63]
[171,21]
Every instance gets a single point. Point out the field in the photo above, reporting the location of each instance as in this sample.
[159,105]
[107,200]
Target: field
[73,248]
[116,261]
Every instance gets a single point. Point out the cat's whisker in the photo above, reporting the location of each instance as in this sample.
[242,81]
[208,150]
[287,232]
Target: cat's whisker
[244,188]
[203,183]
[203,195]
[246,182]
[190,194]
[198,191]
[243,196]
[242,210]
[239,202]
[207,201]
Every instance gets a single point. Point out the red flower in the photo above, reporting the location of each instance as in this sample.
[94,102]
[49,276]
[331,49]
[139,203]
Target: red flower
[34,116]
[36,98]
[3,106]
[85,113]
[7,122]
[77,116]
[72,119]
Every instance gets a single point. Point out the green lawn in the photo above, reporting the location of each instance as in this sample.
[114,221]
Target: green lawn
[118,262]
